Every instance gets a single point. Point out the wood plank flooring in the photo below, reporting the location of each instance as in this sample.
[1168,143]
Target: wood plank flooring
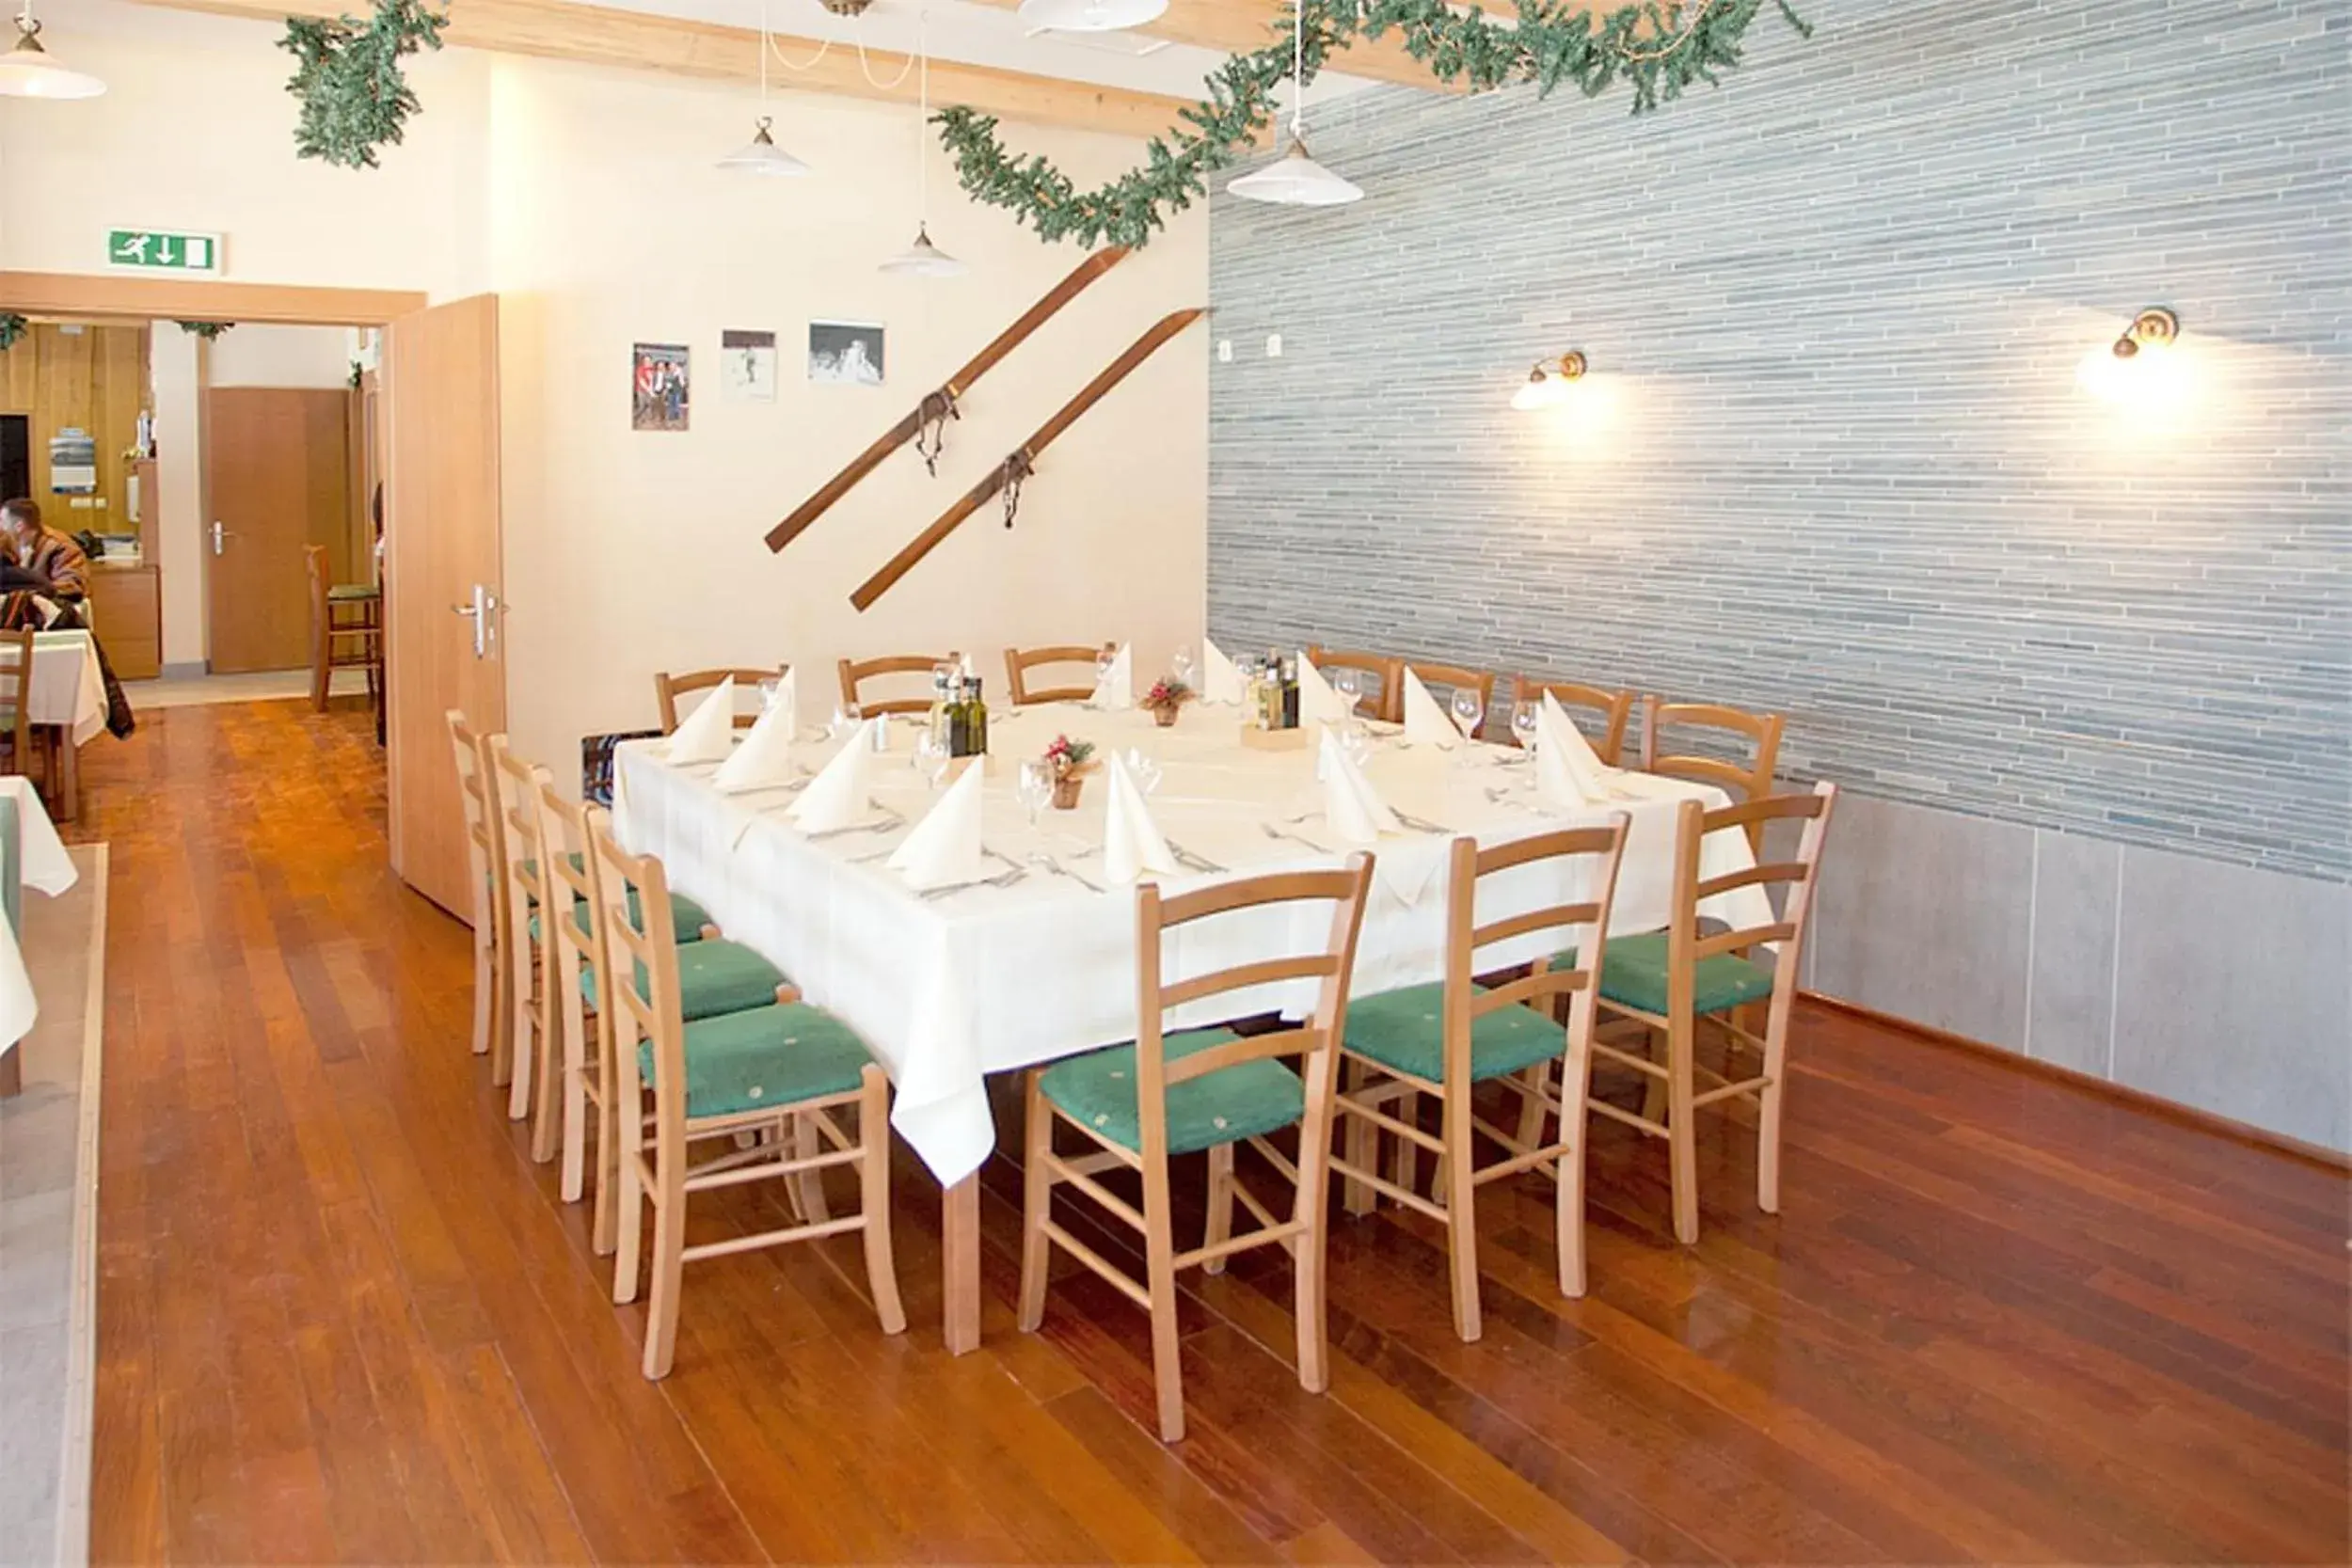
[343,1316]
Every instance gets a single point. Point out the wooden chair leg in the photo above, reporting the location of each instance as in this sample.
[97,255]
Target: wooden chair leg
[522,993]
[1682,1133]
[1221,1225]
[629,1217]
[1461,1210]
[808,1186]
[1168,1376]
[1531,1129]
[1308,1254]
[546,1060]
[322,665]
[573,1178]
[1406,1170]
[873,1130]
[1037,1194]
[486,985]
[604,1231]
[1576,1079]
[1364,1145]
[669,1265]
[1654,1096]
[1768,1108]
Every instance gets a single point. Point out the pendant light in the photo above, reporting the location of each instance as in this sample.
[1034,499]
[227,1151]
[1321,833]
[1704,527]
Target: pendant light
[28,71]
[761,155]
[1089,16]
[923,258]
[1296,179]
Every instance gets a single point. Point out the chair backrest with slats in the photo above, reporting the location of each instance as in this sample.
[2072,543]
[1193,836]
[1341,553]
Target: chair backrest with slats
[1586,859]
[485,853]
[1446,679]
[1389,701]
[1734,730]
[668,688]
[1329,965]
[1019,661]
[514,786]
[16,688]
[1687,946]
[565,829]
[856,673]
[640,966]
[1614,708]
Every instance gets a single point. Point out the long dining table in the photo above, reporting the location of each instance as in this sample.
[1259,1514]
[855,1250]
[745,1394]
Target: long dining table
[1037,961]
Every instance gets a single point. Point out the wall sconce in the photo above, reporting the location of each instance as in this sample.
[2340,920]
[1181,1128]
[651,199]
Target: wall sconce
[2142,366]
[1547,384]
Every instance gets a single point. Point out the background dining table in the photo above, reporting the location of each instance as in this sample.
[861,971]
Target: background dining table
[67,696]
[1036,961]
[39,860]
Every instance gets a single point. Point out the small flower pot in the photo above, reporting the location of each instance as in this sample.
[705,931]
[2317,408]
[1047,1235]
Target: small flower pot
[1164,716]
[1065,792]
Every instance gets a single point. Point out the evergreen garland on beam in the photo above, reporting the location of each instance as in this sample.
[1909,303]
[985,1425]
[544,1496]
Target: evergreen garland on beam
[13,326]
[353,97]
[1657,49]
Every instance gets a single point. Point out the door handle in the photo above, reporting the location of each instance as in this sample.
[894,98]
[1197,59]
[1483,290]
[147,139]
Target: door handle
[485,606]
[218,534]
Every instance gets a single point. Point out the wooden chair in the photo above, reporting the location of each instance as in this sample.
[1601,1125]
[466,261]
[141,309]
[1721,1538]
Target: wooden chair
[1019,661]
[575,954]
[346,629]
[768,1071]
[1389,701]
[514,786]
[1446,1039]
[485,857]
[16,692]
[1671,982]
[1614,708]
[1451,677]
[668,688]
[1751,780]
[856,673]
[1201,1090]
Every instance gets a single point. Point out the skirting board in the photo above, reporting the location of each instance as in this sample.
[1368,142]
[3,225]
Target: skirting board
[2140,1099]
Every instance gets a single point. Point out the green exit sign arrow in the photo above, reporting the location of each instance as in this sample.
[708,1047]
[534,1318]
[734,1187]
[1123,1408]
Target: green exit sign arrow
[163,250]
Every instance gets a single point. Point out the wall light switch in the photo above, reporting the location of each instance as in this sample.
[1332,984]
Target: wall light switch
[1273,345]
[1225,351]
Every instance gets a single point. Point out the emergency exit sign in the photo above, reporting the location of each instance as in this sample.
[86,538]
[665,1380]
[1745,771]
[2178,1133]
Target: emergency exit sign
[163,250]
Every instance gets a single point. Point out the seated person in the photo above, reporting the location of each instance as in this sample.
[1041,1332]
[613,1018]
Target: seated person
[42,550]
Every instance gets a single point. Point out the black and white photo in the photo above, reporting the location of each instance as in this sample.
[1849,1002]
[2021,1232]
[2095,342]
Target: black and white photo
[849,352]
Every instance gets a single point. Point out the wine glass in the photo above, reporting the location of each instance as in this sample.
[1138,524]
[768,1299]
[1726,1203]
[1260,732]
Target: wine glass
[846,717]
[1468,710]
[931,759]
[1356,741]
[1103,658]
[1183,664]
[1523,727]
[1350,686]
[768,689]
[1146,772]
[1035,788]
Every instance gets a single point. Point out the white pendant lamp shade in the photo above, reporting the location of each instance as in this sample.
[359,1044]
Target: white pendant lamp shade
[1089,16]
[1296,179]
[761,155]
[924,260]
[28,71]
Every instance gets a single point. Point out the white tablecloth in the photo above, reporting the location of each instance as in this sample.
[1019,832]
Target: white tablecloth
[47,868]
[67,689]
[989,978]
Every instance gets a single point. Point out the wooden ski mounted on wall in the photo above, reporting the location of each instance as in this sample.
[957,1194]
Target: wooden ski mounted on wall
[1019,464]
[940,403]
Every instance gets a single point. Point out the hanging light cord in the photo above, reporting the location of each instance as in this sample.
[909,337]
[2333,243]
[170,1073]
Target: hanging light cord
[922,125]
[1298,69]
[768,45]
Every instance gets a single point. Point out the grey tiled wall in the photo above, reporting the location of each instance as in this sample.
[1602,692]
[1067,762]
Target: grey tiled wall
[1835,462]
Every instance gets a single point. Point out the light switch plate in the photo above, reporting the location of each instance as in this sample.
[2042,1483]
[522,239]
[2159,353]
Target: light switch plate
[1273,345]
[1225,351]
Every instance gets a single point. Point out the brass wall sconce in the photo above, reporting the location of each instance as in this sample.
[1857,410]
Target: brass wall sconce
[2143,369]
[2155,328]
[1549,382]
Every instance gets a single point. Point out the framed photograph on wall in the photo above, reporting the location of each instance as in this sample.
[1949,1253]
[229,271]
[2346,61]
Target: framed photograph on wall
[747,366]
[659,388]
[849,352]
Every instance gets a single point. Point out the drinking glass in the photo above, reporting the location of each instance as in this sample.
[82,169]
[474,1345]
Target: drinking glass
[931,759]
[1356,741]
[768,689]
[1467,710]
[1035,788]
[1183,664]
[1146,772]
[1350,686]
[846,717]
[1523,727]
[1103,660]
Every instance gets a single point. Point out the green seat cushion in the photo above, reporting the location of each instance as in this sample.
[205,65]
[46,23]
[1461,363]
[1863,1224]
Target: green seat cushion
[1633,974]
[1406,1030]
[687,917]
[1231,1104]
[352,592]
[715,978]
[779,1055]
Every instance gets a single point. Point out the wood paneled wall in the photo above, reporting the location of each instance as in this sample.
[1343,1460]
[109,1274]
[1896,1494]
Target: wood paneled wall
[95,379]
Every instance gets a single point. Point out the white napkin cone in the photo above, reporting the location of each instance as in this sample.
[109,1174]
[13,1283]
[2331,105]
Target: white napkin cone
[1317,703]
[839,795]
[1560,781]
[1220,677]
[787,701]
[944,847]
[1132,844]
[707,734]
[1351,806]
[763,758]
[1592,775]
[1116,689]
[1425,722]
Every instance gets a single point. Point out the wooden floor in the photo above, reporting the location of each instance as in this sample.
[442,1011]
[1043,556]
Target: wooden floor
[341,1316]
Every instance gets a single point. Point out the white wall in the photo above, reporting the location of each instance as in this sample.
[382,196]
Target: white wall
[172,367]
[258,355]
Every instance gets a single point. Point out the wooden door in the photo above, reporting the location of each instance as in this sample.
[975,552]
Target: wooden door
[277,478]
[440,397]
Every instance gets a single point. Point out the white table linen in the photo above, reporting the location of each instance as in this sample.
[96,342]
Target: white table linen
[65,687]
[992,977]
[45,867]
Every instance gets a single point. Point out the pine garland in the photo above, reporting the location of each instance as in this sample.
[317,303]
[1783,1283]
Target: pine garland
[1554,42]
[353,97]
[206,331]
[12,328]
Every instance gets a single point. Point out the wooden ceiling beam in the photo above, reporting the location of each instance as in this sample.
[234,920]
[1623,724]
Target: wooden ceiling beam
[1244,26]
[600,35]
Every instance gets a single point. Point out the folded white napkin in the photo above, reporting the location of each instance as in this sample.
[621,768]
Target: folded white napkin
[1116,688]
[1220,677]
[839,795]
[1351,806]
[944,847]
[1592,775]
[763,758]
[1132,844]
[787,701]
[707,734]
[1425,722]
[1317,703]
[1560,779]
